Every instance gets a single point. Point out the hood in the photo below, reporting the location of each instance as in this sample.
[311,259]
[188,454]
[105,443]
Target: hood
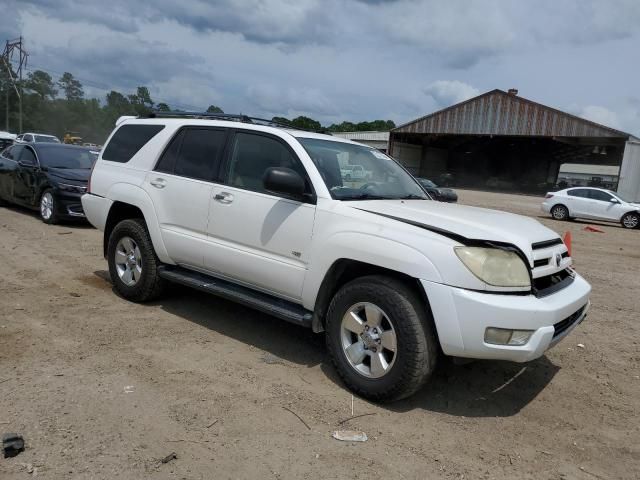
[465,222]
[74,174]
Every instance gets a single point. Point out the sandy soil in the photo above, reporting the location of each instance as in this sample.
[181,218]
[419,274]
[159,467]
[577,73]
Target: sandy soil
[102,388]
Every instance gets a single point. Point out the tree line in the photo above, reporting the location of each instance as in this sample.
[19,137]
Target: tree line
[60,106]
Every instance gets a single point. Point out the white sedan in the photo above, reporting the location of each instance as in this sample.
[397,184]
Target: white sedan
[592,203]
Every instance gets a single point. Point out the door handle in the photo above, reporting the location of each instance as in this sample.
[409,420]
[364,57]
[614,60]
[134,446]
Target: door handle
[158,182]
[224,197]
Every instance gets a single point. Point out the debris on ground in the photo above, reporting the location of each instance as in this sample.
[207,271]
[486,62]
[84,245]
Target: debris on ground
[12,444]
[342,422]
[350,436]
[129,389]
[589,228]
[580,345]
[298,416]
[212,423]
[74,294]
[64,233]
[170,457]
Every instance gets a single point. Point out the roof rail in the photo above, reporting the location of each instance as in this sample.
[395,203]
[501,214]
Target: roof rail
[231,118]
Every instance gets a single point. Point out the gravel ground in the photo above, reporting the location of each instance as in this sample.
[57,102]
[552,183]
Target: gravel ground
[102,388]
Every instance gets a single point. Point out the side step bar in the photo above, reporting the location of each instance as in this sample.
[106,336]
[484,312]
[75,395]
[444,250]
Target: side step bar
[277,307]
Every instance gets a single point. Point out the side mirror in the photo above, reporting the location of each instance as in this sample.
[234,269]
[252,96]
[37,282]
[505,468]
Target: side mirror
[614,200]
[284,181]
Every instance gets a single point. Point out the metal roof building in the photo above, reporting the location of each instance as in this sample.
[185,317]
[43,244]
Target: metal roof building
[379,140]
[499,140]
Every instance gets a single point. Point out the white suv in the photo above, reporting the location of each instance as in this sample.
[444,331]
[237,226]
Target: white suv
[592,203]
[262,215]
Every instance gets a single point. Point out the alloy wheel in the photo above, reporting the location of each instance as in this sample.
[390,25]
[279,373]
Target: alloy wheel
[46,206]
[128,261]
[368,339]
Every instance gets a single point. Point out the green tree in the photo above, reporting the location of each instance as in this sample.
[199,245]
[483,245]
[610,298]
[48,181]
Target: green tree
[71,87]
[306,123]
[214,109]
[163,107]
[42,84]
[141,101]
[281,120]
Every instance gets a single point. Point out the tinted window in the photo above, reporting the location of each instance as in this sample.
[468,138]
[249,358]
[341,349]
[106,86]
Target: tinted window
[167,162]
[27,156]
[28,138]
[13,153]
[600,195]
[253,154]
[579,192]
[66,157]
[194,153]
[128,140]
[46,139]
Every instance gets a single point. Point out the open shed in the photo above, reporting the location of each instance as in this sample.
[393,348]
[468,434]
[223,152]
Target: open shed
[500,141]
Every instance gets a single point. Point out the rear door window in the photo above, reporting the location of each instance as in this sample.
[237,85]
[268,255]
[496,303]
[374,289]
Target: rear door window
[128,140]
[194,153]
[27,156]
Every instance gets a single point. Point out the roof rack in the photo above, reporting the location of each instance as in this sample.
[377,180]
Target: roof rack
[230,117]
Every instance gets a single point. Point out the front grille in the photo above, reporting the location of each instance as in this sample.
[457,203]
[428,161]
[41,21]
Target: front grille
[567,322]
[541,262]
[549,284]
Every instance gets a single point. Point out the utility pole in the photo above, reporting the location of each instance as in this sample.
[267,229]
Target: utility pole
[14,48]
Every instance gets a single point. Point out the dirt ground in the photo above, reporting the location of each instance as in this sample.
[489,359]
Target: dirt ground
[102,388]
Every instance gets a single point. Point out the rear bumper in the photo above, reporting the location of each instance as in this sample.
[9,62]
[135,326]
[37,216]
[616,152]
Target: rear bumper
[96,209]
[462,316]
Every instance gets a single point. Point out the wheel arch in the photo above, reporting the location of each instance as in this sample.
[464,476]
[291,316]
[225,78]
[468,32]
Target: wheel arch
[130,201]
[343,271]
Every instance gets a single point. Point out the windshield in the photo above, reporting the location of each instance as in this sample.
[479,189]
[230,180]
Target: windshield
[616,194]
[356,172]
[46,139]
[66,157]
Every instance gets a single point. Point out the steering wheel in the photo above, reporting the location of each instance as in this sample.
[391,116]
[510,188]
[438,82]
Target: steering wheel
[368,185]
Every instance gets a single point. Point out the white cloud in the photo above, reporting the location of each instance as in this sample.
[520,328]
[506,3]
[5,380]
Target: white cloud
[448,92]
[601,115]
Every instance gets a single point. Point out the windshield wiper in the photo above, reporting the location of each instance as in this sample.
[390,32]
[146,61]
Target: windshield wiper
[412,196]
[364,196]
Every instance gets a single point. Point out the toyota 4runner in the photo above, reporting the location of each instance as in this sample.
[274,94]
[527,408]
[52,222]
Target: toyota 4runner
[262,215]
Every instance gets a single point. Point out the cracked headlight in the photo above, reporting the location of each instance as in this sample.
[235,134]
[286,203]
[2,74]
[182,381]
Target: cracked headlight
[500,268]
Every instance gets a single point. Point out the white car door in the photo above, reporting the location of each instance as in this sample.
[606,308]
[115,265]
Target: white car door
[605,206]
[258,238]
[579,202]
[181,188]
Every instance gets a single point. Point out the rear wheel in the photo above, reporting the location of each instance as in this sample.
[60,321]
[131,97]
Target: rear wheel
[560,212]
[133,264]
[48,208]
[630,220]
[380,338]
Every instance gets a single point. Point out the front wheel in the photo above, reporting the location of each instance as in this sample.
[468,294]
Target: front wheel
[380,338]
[48,208]
[630,220]
[133,264]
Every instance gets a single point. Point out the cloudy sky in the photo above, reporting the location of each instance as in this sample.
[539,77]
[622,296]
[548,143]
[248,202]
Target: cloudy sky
[340,60]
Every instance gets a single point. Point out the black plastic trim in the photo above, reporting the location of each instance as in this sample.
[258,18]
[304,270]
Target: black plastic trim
[264,302]
[546,244]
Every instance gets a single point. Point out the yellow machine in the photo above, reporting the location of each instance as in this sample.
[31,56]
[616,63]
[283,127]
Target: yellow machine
[72,138]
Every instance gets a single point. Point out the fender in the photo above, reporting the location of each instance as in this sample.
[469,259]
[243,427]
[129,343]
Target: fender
[363,247]
[136,196]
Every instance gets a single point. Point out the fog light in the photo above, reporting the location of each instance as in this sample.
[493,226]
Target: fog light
[505,336]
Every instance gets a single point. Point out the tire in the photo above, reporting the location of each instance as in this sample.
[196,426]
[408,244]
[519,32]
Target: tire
[47,207]
[130,249]
[560,212]
[403,313]
[630,220]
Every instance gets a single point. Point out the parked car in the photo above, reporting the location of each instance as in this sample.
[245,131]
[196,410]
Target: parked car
[355,173]
[48,177]
[438,193]
[6,139]
[592,203]
[37,138]
[265,217]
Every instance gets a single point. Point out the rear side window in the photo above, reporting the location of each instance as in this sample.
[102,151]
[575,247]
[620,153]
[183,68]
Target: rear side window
[194,153]
[579,192]
[28,156]
[128,140]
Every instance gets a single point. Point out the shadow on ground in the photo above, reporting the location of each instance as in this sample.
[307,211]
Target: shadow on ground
[70,222]
[477,389]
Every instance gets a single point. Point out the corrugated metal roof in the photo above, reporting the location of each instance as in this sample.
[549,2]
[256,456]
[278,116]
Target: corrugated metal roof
[586,169]
[500,113]
[363,136]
